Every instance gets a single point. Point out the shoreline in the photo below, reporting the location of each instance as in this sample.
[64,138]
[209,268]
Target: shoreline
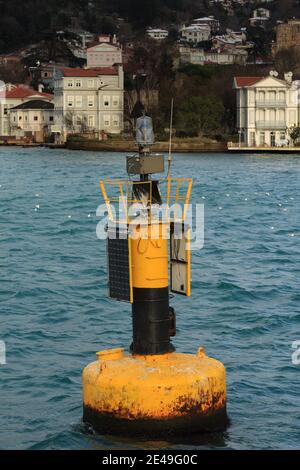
[158,147]
[163,147]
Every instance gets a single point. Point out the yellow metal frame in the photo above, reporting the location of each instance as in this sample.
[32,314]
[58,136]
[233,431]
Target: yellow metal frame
[122,194]
[124,190]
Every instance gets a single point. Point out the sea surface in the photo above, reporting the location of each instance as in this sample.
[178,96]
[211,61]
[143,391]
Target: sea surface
[54,313]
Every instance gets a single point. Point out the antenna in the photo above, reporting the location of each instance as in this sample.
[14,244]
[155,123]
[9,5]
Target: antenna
[170,141]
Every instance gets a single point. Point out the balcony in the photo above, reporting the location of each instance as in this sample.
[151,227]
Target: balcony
[271,125]
[270,104]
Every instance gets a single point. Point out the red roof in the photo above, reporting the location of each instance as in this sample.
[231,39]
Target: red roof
[22,91]
[246,81]
[69,72]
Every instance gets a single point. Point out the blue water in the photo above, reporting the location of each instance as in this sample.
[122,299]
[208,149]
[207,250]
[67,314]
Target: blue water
[245,304]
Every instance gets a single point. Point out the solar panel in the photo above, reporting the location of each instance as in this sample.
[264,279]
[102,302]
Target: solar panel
[118,265]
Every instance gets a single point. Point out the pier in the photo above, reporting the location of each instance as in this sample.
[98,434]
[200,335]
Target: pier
[244,148]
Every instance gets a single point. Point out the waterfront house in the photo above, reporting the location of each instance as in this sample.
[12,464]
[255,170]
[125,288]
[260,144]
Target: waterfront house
[32,120]
[267,108]
[14,95]
[88,100]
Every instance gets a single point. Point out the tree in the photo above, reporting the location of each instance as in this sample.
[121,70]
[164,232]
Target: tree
[13,73]
[69,121]
[201,115]
[262,40]
[287,60]
[294,133]
[55,47]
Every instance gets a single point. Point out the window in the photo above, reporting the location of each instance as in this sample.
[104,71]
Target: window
[273,138]
[282,135]
[5,111]
[91,121]
[106,121]
[106,101]
[262,138]
[90,83]
[116,101]
[36,118]
[116,121]
[91,101]
[70,83]
[261,114]
[78,120]
[70,101]
[78,101]
[51,118]
[272,96]
[292,117]
[281,115]
[78,83]
[272,115]
[20,118]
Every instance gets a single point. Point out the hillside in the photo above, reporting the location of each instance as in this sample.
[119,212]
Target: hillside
[23,23]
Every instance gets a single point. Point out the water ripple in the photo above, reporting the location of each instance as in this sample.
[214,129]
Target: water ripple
[245,304]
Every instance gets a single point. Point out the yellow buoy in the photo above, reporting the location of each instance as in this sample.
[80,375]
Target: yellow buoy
[153,390]
[153,395]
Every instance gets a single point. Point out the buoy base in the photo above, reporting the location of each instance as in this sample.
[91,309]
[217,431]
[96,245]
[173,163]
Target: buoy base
[171,394]
[109,424]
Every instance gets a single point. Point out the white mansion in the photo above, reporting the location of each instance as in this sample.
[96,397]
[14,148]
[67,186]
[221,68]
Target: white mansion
[105,52]
[88,100]
[267,108]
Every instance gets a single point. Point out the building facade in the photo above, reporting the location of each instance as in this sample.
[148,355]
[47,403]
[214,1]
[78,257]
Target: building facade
[14,95]
[210,21]
[157,33]
[195,33]
[260,17]
[267,108]
[32,119]
[9,59]
[104,55]
[287,35]
[88,100]
[218,56]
